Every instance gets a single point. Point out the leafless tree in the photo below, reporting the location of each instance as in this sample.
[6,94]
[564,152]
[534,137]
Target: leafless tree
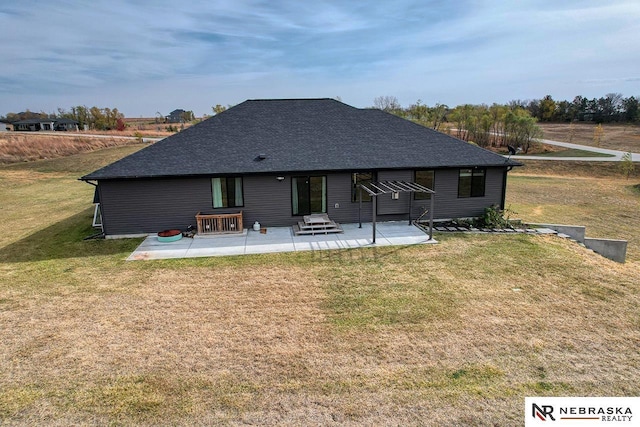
[386,103]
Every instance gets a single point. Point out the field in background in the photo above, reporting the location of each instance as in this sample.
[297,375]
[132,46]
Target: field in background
[548,150]
[25,147]
[19,147]
[615,137]
[149,127]
[396,335]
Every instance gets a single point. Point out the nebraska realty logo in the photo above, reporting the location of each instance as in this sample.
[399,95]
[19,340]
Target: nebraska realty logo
[582,411]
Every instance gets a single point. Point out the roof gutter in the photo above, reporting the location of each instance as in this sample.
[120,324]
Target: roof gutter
[88,182]
[509,166]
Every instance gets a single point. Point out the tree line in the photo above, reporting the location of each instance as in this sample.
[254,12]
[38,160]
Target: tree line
[611,108]
[514,124]
[93,118]
[496,125]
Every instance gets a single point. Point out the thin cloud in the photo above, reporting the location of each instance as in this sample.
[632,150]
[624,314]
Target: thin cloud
[122,54]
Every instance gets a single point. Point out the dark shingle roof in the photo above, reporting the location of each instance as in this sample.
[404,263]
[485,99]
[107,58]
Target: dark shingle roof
[33,121]
[66,121]
[298,135]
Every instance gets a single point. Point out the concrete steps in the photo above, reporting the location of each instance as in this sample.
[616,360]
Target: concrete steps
[316,224]
[300,229]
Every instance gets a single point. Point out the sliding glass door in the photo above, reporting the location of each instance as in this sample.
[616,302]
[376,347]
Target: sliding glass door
[309,195]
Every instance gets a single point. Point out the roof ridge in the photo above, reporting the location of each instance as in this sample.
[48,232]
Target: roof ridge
[293,99]
[331,134]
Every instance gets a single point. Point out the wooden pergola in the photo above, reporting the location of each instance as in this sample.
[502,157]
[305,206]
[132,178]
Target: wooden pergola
[378,188]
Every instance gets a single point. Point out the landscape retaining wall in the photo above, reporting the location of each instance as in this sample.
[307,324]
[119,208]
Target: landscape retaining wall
[613,249]
[577,232]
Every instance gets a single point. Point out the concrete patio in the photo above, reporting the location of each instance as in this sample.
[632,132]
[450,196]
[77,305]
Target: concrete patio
[281,239]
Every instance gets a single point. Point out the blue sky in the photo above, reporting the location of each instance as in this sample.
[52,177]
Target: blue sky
[151,56]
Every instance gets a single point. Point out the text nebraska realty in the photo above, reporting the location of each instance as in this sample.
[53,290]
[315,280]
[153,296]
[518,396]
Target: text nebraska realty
[606,414]
[610,413]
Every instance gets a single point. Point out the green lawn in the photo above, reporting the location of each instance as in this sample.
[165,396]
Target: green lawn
[396,335]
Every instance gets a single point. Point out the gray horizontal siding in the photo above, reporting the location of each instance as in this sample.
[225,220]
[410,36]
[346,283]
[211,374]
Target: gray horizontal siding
[388,206]
[267,201]
[152,205]
[147,206]
[340,208]
[449,205]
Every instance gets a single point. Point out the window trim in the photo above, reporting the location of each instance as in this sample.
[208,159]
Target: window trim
[477,174]
[226,178]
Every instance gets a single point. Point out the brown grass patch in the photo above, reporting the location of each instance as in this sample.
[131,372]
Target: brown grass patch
[16,148]
[147,127]
[569,168]
[253,339]
[591,196]
[616,137]
[388,335]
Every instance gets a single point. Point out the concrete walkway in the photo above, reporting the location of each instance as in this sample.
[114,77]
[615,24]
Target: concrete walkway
[617,155]
[281,239]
